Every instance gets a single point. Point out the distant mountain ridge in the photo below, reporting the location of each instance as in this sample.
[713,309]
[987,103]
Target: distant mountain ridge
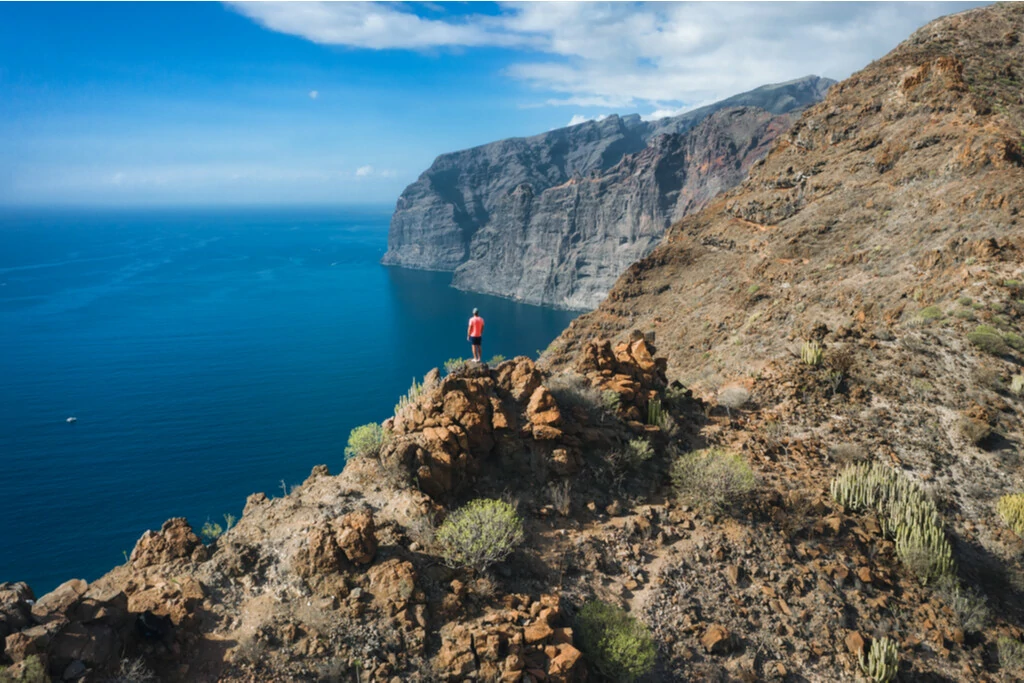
[470,203]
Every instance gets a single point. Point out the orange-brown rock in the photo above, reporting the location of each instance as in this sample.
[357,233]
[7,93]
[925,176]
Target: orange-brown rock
[357,536]
[174,541]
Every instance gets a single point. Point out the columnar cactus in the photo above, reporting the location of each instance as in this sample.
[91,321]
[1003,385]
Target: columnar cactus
[905,513]
[811,353]
[655,413]
[882,661]
[1011,509]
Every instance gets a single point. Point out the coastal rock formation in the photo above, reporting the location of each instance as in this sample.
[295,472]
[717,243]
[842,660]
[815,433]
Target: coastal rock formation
[555,218]
[861,293]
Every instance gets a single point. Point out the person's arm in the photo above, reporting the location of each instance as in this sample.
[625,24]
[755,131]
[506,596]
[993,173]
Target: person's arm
[469,328]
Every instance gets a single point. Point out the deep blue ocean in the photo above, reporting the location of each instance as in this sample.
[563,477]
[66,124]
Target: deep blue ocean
[206,355]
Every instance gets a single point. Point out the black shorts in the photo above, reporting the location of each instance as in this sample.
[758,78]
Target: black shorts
[475,341]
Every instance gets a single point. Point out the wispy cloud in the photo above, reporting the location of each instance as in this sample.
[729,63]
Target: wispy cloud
[660,56]
[582,118]
[313,94]
[371,172]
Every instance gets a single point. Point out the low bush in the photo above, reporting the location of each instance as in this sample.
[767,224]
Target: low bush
[882,661]
[479,534]
[453,364]
[366,441]
[973,430]
[848,454]
[1011,509]
[33,671]
[1017,384]
[988,339]
[1014,340]
[133,671]
[930,313]
[574,390]
[969,606]
[964,314]
[733,397]
[619,646]
[611,400]
[1011,653]
[712,480]
[905,513]
[496,359]
[965,301]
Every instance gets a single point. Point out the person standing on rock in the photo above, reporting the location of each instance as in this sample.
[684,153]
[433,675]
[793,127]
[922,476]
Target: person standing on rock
[475,333]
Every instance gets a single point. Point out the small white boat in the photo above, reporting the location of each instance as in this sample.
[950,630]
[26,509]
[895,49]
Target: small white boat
[72,419]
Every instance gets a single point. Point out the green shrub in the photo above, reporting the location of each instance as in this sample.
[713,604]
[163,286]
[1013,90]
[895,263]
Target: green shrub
[676,395]
[811,353]
[1017,384]
[964,314]
[882,661]
[619,646]
[905,513]
[1011,509]
[611,399]
[996,307]
[930,313]
[453,364]
[211,530]
[479,534]
[753,289]
[366,441]
[968,605]
[965,301]
[496,359]
[712,479]
[1014,340]
[33,671]
[988,339]
[1011,653]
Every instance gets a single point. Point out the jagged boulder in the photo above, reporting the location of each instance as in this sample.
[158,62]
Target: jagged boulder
[15,609]
[330,543]
[174,541]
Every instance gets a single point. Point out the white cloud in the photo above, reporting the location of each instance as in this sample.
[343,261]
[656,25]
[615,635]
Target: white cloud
[371,172]
[581,118]
[313,94]
[660,56]
[364,171]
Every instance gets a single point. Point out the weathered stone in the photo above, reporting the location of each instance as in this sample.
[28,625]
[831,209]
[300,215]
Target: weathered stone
[57,603]
[357,536]
[717,640]
[174,541]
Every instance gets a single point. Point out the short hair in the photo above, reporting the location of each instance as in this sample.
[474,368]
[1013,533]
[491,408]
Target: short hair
[476,311]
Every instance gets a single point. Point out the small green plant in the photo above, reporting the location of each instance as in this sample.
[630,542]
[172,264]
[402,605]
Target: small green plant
[619,646]
[965,301]
[1011,509]
[1017,384]
[655,413]
[905,513]
[882,661]
[930,313]
[1011,653]
[964,314]
[496,359]
[811,353]
[611,400]
[988,339]
[366,441]
[479,534]
[974,431]
[712,479]
[453,364]
[1014,340]
[996,307]
[32,671]
[676,395]
[968,605]
[753,289]
[133,671]
[211,530]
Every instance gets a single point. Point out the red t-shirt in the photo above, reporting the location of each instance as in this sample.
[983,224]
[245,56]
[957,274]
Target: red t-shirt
[476,326]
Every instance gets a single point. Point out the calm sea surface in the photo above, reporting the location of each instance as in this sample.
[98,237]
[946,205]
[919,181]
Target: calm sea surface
[207,355]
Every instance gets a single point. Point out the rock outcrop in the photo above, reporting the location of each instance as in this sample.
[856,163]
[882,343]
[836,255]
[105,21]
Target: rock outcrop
[553,219]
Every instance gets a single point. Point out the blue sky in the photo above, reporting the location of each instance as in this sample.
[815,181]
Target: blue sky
[310,103]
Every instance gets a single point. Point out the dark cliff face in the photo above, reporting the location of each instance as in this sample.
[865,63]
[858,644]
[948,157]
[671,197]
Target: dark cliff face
[555,218]
[567,245]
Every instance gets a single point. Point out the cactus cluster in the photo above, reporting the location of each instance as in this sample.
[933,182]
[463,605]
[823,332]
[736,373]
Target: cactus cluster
[905,514]
[882,661]
[409,398]
[1011,509]
[811,353]
[655,412]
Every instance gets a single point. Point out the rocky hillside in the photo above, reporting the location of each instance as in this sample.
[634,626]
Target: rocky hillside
[556,217]
[786,448]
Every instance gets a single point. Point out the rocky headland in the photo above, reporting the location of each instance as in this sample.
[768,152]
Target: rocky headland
[555,218]
[786,447]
